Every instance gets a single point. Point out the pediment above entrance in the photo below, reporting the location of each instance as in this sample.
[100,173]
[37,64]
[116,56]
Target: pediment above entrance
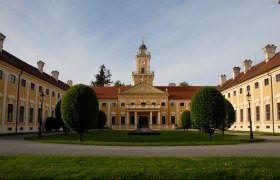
[143,88]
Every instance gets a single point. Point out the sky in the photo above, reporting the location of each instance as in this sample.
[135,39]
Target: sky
[189,40]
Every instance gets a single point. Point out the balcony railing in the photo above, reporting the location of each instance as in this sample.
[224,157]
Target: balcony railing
[143,73]
[142,106]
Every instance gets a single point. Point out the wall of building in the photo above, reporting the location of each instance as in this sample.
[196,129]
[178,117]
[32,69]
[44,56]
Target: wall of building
[22,99]
[260,97]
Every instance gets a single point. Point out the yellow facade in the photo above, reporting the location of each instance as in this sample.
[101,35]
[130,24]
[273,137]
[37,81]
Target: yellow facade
[144,105]
[264,87]
[20,98]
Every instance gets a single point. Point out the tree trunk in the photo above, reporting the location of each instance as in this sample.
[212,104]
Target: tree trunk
[223,132]
[184,129]
[210,136]
[65,133]
[81,137]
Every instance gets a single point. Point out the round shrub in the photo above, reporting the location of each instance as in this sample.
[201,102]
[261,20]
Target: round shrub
[208,109]
[186,119]
[229,118]
[49,123]
[79,107]
[101,120]
[60,122]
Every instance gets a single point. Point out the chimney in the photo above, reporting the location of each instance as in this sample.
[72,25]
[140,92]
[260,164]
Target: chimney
[172,84]
[55,75]
[247,65]
[70,83]
[235,72]
[2,38]
[223,79]
[41,66]
[269,51]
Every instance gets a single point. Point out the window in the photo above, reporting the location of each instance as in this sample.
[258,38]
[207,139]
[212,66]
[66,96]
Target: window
[103,104]
[267,112]
[234,93]
[132,103]
[154,120]
[12,79]
[240,91]
[113,104]
[154,103]
[1,74]
[21,113]
[143,104]
[172,104]
[163,120]
[241,115]
[182,104]
[47,91]
[132,120]
[277,77]
[58,95]
[53,94]
[248,88]
[122,104]
[249,113]
[228,95]
[256,85]
[40,88]
[122,120]
[32,86]
[113,120]
[257,113]
[142,70]
[162,103]
[10,112]
[266,82]
[278,110]
[31,114]
[23,82]
[172,119]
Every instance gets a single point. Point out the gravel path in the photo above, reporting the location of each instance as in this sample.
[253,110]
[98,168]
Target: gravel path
[15,145]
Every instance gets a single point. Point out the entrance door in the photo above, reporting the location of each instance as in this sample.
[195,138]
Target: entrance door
[143,122]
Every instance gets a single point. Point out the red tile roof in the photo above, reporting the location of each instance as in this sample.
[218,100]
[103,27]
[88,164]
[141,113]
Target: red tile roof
[256,70]
[175,92]
[14,61]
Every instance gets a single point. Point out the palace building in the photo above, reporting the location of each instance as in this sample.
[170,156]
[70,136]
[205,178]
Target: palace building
[144,105]
[20,88]
[262,83]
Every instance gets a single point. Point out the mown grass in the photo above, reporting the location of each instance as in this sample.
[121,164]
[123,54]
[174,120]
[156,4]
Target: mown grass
[59,167]
[167,138]
[255,132]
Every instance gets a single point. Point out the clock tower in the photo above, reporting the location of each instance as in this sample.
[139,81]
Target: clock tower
[143,72]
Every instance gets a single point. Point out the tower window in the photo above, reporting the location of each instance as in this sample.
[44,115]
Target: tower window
[142,70]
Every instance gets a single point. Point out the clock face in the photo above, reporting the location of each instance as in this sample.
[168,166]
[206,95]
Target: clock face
[143,61]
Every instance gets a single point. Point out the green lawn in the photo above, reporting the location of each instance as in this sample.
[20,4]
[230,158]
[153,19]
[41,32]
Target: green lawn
[167,138]
[59,167]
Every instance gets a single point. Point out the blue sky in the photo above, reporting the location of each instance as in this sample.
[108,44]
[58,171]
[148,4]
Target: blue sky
[189,40]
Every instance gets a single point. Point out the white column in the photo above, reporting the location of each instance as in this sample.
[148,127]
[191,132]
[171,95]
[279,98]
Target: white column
[151,117]
[109,115]
[177,113]
[158,115]
[135,118]
[4,105]
[127,118]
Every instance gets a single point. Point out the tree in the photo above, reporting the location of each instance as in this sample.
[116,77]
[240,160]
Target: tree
[230,117]
[103,77]
[79,107]
[118,83]
[186,120]
[208,109]
[59,119]
[184,84]
[101,120]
